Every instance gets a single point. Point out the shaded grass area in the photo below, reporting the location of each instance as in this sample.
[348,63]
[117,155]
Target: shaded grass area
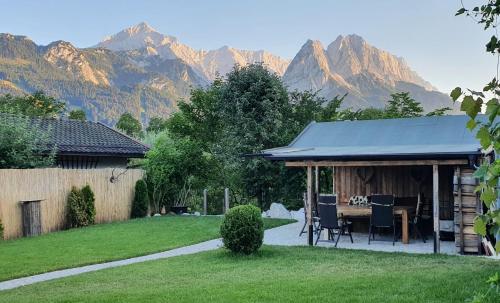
[275,274]
[106,242]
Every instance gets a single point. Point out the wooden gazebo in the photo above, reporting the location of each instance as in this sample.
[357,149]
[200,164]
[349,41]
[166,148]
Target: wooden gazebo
[382,156]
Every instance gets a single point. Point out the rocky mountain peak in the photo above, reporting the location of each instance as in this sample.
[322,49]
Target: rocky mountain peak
[67,57]
[136,37]
[142,27]
[206,63]
[310,69]
[352,55]
[60,44]
[140,61]
[8,36]
[351,65]
[313,45]
[311,53]
[349,40]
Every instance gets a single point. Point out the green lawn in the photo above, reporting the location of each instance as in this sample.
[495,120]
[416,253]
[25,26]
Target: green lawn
[106,242]
[276,274]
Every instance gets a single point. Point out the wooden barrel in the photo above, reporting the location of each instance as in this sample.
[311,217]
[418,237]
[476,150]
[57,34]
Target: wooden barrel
[466,206]
[32,219]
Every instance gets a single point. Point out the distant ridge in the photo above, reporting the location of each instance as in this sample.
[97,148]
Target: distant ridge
[144,72]
[367,74]
[207,63]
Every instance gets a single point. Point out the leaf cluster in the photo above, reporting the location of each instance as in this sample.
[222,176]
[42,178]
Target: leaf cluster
[140,204]
[486,129]
[129,125]
[23,144]
[37,104]
[81,207]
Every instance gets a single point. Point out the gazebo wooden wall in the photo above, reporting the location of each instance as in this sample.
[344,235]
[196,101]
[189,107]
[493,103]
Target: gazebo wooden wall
[467,205]
[400,181]
[398,177]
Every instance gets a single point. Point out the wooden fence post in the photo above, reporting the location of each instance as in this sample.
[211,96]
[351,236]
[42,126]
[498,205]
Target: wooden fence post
[205,201]
[226,199]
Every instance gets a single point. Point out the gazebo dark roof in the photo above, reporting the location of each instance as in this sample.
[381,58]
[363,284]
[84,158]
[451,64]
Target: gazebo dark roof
[410,138]
[73,137]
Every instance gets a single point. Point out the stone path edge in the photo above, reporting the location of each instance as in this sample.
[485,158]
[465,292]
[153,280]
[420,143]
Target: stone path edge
[185,250]
[63,273]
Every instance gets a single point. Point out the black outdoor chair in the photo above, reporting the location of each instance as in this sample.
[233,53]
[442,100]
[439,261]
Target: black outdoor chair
[382,215]
[328,219]
[315,217]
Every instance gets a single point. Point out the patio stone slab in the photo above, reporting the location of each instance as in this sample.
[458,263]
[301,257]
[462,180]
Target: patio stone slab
[288,235]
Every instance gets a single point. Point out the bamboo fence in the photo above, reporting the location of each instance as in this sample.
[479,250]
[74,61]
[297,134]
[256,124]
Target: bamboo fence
[113,200]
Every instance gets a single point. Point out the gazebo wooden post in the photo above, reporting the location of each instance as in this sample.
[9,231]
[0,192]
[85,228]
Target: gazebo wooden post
[458,198]
[435,205]
[309,204]
[333,180]
[316,182]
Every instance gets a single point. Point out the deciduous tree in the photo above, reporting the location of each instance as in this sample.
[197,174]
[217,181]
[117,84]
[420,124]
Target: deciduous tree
[129,125]
[156,125]
[77,114]
[402,105]
[37,104]
[23,145]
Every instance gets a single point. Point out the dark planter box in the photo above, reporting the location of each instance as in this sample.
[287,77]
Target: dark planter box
[179,210]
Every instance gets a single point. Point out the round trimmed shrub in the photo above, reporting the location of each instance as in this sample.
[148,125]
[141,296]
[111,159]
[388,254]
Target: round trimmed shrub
[141,200]
[242,229]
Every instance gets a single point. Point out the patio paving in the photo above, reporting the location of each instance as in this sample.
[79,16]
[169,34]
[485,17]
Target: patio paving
[288,235]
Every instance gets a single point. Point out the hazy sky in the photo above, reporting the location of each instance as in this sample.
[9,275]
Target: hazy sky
[444,49]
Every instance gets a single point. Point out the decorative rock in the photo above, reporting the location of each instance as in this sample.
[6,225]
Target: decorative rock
[298,214]
[264,214]
[277,210]
[157,215]
[197,213]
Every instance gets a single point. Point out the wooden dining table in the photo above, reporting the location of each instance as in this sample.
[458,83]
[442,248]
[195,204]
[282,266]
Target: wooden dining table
[366,211]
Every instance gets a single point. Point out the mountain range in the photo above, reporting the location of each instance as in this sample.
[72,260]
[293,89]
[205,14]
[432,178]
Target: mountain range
[144,72]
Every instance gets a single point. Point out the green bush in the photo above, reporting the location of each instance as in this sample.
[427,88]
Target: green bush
[89,203]
[77,215]
[242,229]
[81,207]
[29,149]
[1,231]
[141,200]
